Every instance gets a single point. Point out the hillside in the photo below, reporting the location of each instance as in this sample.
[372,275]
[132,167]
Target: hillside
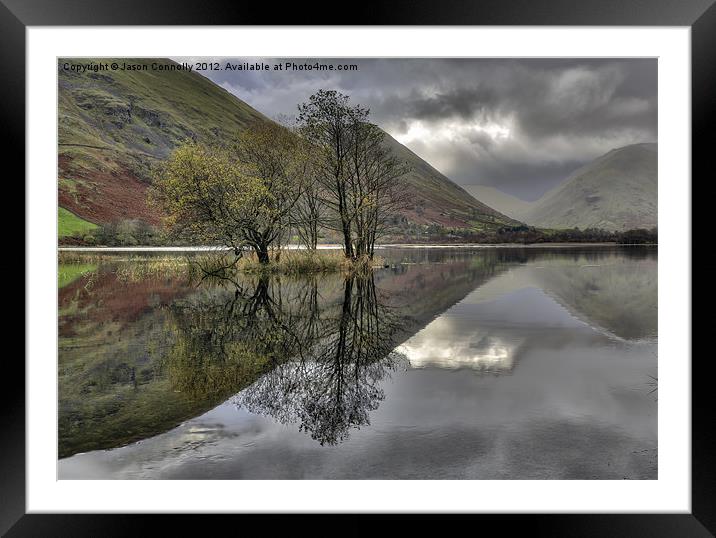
[504,203]
[617,191]
[115,125]
[440,201]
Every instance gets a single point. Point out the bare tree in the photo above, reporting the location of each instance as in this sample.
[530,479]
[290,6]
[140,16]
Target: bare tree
[325,122]
[376,185]
[309,213]
[359,176]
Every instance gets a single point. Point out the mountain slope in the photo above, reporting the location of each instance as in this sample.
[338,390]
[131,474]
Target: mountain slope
[115,125]
[501,201]
[437,200]
[617,191]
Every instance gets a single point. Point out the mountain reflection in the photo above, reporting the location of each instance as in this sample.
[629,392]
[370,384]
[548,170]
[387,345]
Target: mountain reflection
[321,362]
[542,298]
[138,358]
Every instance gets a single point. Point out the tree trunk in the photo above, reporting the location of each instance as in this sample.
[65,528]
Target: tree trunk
[347,241]
[314,234]
[262,253]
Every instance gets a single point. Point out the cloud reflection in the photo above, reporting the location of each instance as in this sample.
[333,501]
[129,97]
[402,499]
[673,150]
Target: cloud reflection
[439,346]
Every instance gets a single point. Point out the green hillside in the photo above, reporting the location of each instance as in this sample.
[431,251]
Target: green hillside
[617,191]
[69,224]
[115,125]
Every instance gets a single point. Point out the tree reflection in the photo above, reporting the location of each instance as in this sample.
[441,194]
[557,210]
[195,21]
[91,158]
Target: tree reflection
[334,386]
[308,359]
[225,340]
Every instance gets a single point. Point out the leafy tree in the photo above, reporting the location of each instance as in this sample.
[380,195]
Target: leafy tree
[239,196]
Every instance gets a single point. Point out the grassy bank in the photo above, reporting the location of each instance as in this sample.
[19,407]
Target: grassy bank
[302,262]
[69,224]
[195,266]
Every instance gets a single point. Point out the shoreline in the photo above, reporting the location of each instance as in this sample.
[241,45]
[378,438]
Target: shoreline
[206,248]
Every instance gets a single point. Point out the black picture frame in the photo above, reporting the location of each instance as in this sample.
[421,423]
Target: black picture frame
[699,15]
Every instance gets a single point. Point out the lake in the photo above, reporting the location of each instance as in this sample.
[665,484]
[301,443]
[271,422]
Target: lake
[459,363]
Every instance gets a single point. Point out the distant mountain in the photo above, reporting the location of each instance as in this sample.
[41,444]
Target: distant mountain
[114,126]
[501,201]
[617,191]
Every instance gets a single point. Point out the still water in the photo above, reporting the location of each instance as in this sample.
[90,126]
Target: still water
[500,363]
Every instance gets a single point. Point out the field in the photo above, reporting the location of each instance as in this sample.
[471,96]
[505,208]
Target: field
[69,224]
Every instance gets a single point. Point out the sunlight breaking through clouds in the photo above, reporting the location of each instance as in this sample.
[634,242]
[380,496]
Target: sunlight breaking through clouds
[450,132]
[521,125]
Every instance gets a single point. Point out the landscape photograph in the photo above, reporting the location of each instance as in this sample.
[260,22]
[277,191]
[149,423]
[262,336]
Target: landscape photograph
[357,268]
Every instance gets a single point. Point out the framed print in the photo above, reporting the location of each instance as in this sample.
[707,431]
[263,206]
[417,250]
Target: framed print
[410,265]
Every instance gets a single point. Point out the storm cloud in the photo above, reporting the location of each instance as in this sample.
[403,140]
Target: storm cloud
[521,125]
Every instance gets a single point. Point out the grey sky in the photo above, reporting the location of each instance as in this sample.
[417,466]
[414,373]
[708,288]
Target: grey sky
[520,125]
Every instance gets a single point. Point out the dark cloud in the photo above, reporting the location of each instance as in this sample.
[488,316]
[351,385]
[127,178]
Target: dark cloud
[476,103]
[520,125]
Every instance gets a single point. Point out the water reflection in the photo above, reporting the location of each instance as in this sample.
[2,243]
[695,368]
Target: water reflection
[544,299]
[137,358]
[485,354]
[226,335]
[320,363]
[358,367]
[333,382]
